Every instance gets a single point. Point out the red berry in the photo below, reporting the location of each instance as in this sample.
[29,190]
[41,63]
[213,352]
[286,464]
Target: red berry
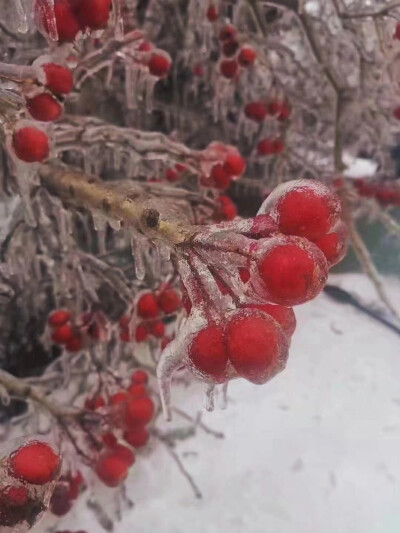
[60,502]
[30,144]
[124,335]
[124,453]
[234,163]
[333,245]
[58,318]
[171,175]
[139,411]
[157,329]
[212,13]
[229,48]
[137,390]
[284,113]
[74,345]
[278,146]
[225,209]
[207,352]
[109,439]
[44,107]
[59,79]
[255,344]
[118,398]
[247,56]
[14,496]
[266,147]
[256,111]
[93,14]
[159,65]
[147,306]
[66,21]
[229,68]
[227,33]
[140,333]
[283,315]
[145,47]
[140,377]
[307,209]
[220,178]
[292,272]
[95,402]
[63,334]
[112,469]
[75,484]
[124,322]
[169,301]
[397,32]
[396,113]
[137,437]
[198,70]
[35,463]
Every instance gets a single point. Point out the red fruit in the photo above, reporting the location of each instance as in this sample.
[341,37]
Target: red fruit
[157,329]
[169,301]
[244,274]
[95,402]
[124,335]
[255,344]
[307,209]
[118,398]
[212,13]
[285,112]
[229,68]
[44,107]
[124,453]
[159,65]
[397,32]
[279,110]
[141,333]
[35,463]
[139,377]
[207,352]
[147,306]
[139,411]
[58,318]
[30,144]
[229,48]
[93,14]
[14,496]
[333,245]
[266,147]
[256,111]
[111,469]
[74,345]
[225,209]
[66,21]
[171,175]
[247,56]
[59,79]
[124,322]
[220,178]
[234,163]
[63,334]
[396,113]
[109,439]
[75,485]
[278,146]
[137,437]
[137,390]
[283,315]
[198,70]
[227,33]
[292,273]
[60,502]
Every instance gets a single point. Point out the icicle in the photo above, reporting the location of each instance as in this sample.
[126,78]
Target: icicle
[118,20]
[170,360]
[137,254]
[149,89]
[22,21]
[132,79]
[24,177]
[223,399]
[209,394]
[114,224]
[4,396]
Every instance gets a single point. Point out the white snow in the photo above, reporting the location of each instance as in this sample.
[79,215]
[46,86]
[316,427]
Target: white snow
[317,450]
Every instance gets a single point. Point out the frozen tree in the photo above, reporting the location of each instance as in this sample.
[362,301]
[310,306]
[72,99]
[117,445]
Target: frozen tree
[128,129]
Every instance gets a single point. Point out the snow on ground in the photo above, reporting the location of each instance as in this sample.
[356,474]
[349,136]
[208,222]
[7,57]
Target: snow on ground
[316,450]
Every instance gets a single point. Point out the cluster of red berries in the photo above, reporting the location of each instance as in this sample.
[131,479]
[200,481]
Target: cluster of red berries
[295,238]
[258,110]
[385,193]
[225,209]
[234,55]
[150,308]
[31,144]
[132,410]
[67,489]
[270,146]
[227,165]
[74,16]
[73,335]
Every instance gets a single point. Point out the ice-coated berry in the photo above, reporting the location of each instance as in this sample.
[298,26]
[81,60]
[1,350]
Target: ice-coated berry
[112,469]
[138,411]
[35,462]
[147,306]
[283,315]
[159,65]
[59,318]
[139,377]
[207,353]
[59,79]
[137,437]
[30,145]
[93,14]
[169,301]
[44,107]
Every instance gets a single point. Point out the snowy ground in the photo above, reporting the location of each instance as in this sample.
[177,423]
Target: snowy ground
[316,450]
